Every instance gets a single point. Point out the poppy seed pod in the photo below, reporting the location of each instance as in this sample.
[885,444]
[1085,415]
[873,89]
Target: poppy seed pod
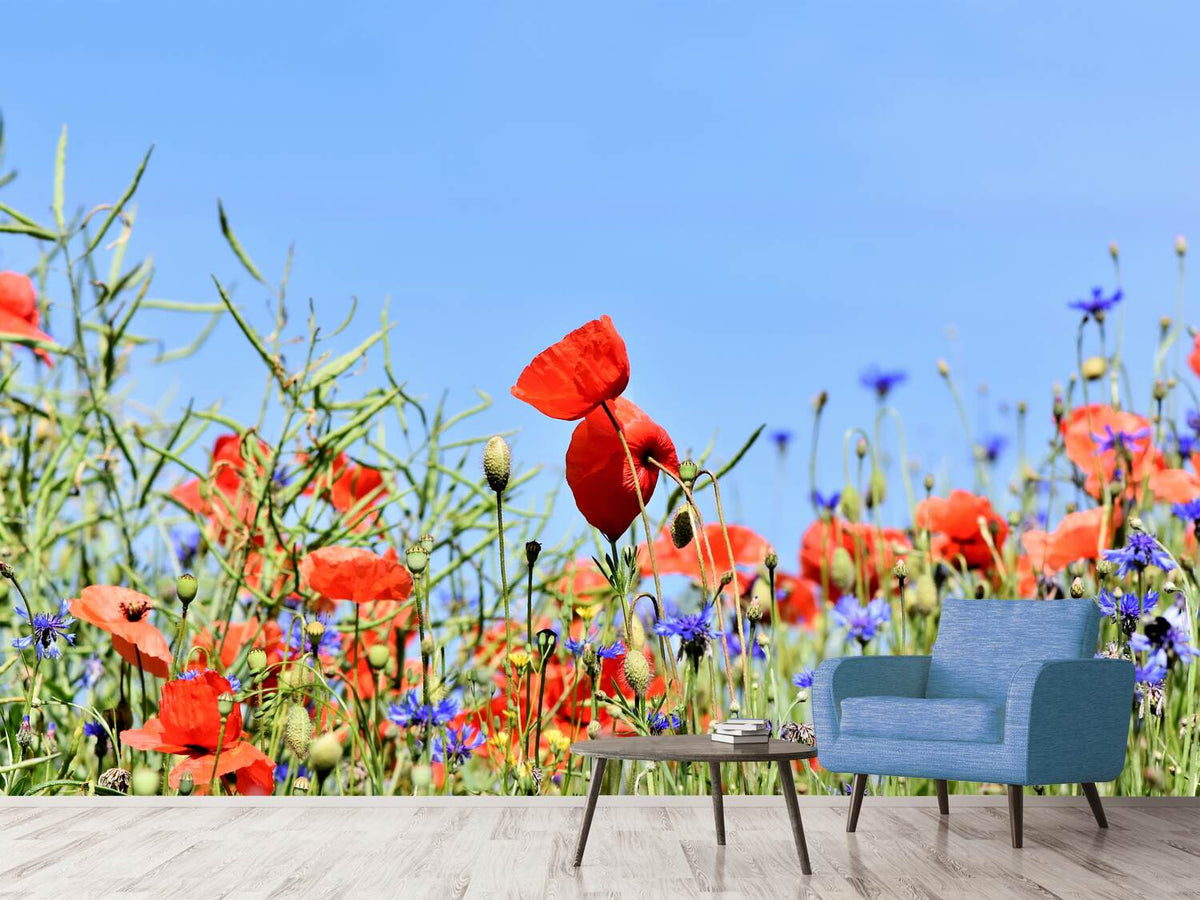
[185,588]
[497,463]
[416,559]
[681,528]
[300,785]
[878,489]
[115,779]
[297,731]
[225,703]
[256,660]
[186,784]
[850,503]
[637,672]
[426,542]
[144,782]
[324,754]
[841,569]
[688,470]
[532,551]
[378,656]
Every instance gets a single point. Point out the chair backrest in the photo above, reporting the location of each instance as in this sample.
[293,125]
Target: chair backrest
[981,643]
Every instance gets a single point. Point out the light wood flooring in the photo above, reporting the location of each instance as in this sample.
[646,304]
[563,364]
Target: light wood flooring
[465,848]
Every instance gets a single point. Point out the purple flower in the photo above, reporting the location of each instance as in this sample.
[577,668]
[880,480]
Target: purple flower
[828,503]
[881,382]
[992,446]
[1127,609]
[410,711]
[47,629]
[1189,512]
[612,651]
[657,722]
[734,643]
[331,639]
[782,438]
[1154,671]
[1117,441]
[1168,633]
[1140,550]
[804,679]
[1097,305]
[861,622]
[693,633]
[457,745]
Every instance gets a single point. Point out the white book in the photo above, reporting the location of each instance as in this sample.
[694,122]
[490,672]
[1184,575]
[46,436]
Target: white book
[745,722]
[741,738]
[740,728]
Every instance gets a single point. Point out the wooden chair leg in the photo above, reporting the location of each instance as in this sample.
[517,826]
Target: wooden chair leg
[1093,798]
[714,771]
[1016,798]
[856,799]
[943,795]
[598,765]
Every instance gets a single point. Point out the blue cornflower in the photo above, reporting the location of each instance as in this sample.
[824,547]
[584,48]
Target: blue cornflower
[282,770]
[828,503]
[410,711]
[805,678]
[1127,441]
[657,722]
[881,382]
[94,729]
[1127,609]
[992,446]
[782,438]
[457,745]
[1168,632]
[1098,304]
[1154,671]
[48,628]
[1140,550]
[331,640]
[189,674]
[1189,512]
[186,544]
[734,644]
[693,633]
[235,683]
[576,647]
[1185,444]
[861,622]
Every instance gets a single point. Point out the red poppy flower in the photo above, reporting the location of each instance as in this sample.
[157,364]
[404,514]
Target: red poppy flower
[347,485]
[19,311]
[873,551]
[598,471]
[956,520]
[232,640]
[1174,485]
[1194,356]
[357,575]
[749,549]
[1081,431]
[797,598]
[225,496]
[571,378]
[582,583]
[1080,535]
[123,614]
[189,724]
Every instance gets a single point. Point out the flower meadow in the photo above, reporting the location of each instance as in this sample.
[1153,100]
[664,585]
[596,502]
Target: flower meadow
[358,594]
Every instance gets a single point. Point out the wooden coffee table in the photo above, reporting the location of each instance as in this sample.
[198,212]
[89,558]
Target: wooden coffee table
[698,748]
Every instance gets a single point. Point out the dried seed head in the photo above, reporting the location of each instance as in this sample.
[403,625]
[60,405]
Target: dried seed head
[532,551]
[637,672]
[497,463]
[900,569]
[929,482]
[754,612]
[378,657]
[115,779]
[681,528]
[297,731]
[185,588]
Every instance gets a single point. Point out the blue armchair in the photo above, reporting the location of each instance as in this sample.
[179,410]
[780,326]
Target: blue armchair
[1011,694]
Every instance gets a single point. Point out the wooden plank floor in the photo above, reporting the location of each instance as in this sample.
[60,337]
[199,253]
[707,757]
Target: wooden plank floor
[468,849]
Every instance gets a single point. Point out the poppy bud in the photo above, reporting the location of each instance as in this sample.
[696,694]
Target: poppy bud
[929,483]
[324,754]
[422,775]
[878,490]
[771,560]
[426,542]
[637,672]
[1113,250]
[297,731]
[532,551]
[315,631]
[1180,245]
[636,633]
[416,558]
[754,611]
[819,401]
[943,368]
[841,569]
[497,463]
[144,782]
[300,785]
[378,656]
[851,503]
[861,448]
[225,704]
[256,659]
[688,470]
[186,784]
[1077,587]
[726,579]
[115,779]
[1160,390]
[185,588]
[1135,522]
[593,730]
[1093,368]
[681,528]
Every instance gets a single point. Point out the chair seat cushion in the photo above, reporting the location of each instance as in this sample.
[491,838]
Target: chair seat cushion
[918,718]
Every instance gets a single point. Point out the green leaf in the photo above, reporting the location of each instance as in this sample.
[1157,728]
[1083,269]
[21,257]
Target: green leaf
[125,198]
[336,367]
[36,231]
[236,245]
[60,179]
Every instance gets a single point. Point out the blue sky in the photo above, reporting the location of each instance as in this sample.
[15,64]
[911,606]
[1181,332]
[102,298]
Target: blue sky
[766,198]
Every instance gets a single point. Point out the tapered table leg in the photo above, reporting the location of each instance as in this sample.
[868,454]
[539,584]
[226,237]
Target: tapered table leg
[856,798]
[1093,798]
[1016,824]
[793,807]
[943,794]
[598,765]
[714,770]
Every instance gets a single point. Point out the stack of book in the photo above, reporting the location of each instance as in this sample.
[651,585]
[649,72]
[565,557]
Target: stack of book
[742,731]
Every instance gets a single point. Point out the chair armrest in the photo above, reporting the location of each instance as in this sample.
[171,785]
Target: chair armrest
[1070,718]
[862,676]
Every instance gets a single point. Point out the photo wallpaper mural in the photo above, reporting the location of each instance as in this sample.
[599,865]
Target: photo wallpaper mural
[362,592]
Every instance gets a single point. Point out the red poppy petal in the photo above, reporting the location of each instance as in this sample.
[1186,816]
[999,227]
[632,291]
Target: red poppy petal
[571,378]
